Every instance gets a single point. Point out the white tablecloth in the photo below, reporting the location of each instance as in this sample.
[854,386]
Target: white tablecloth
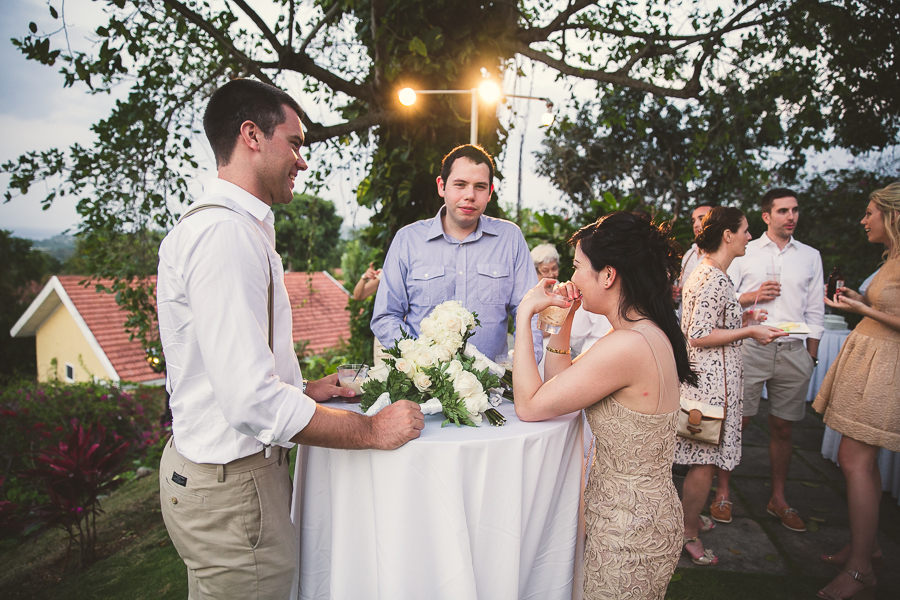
[487,512]
[888,462]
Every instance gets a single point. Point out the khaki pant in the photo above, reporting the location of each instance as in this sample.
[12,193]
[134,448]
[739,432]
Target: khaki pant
[231,524]
[785,368]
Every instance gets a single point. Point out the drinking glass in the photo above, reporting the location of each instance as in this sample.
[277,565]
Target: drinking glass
[352,376]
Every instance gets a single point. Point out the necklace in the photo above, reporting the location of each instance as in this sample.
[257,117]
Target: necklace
[715,263]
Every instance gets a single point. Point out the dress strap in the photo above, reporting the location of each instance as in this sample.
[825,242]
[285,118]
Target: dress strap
[644,329]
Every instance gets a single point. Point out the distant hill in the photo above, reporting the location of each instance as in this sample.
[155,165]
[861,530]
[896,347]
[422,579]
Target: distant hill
[60,247]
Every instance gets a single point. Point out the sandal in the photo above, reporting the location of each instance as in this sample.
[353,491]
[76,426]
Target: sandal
[707,524]
[831,559]
[867,592]
[706,559]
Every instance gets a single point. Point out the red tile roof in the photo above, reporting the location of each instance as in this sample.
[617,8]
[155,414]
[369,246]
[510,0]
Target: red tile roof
[107,322]
[318,309]
[321,316]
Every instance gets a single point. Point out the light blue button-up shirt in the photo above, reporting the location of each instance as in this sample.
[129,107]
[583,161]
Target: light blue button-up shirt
[488,273]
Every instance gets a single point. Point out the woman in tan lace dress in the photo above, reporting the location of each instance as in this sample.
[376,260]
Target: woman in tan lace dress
[628,385]
[859,398]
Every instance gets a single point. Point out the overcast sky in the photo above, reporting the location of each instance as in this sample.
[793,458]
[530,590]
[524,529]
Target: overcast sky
[37,113]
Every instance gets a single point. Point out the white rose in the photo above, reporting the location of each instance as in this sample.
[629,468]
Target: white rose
[453,323]
[454,368]
[425,358]
[422,381]
[452,341]
[466,383]
[413,354]
[480,365]
[380,372]
[442,353]
[477,402]
[405,366]
[476,418]
[406,345]
[429,327]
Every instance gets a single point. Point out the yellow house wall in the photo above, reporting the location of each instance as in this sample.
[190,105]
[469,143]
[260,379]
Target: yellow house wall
[61,338]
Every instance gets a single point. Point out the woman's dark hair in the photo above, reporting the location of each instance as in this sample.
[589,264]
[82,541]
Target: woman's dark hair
[715,223]
[647,261]
[242,100]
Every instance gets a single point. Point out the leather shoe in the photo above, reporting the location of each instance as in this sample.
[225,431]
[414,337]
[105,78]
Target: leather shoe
[720,511]
[789,517]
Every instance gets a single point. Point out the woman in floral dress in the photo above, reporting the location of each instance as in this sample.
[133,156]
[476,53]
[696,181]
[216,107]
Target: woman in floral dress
[711,319]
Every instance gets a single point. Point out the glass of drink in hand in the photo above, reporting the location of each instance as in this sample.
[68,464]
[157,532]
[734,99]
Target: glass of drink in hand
[551,318]
[756,316]
[352,376]
[773,274]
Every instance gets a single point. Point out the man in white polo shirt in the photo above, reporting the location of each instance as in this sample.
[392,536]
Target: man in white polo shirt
[784,277]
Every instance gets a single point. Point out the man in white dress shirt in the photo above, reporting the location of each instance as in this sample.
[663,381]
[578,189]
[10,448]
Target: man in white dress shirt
[693,256]
[785,366]
[238,399]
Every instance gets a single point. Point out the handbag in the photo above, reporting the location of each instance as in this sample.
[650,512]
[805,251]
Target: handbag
[700,421]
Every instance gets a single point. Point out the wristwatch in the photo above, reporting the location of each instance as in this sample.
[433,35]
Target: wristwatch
[815,361]
[305,385]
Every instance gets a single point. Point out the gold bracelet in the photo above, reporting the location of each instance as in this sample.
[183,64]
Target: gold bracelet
[555,351]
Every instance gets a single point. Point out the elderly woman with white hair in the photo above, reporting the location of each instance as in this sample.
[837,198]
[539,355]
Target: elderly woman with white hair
[546,261]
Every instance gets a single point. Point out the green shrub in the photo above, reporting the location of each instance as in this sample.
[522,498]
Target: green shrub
[38,416]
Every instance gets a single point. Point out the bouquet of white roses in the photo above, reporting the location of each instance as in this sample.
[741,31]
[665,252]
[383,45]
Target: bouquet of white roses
[440,365]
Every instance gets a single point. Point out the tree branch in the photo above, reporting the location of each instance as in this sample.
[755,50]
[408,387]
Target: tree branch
[689,91]
[540,34]
[267,33]
[331,12]
[219,37]
[302,63]
[317,133]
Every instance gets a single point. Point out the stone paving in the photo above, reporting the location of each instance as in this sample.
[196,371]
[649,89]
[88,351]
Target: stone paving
[757,542]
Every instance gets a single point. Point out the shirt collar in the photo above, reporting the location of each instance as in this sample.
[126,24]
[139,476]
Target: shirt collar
[765,240]
[436,230]
[257,208]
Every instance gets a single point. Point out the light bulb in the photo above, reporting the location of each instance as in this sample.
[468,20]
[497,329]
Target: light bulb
[407,96]
[489,91]
[547,119]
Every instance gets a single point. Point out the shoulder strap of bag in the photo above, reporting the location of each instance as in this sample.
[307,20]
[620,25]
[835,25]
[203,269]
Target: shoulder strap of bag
[271,296]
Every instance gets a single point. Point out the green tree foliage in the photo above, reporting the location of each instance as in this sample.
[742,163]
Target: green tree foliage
[825,67]
[309,234]
[24,270]
[665,154]
[354,262]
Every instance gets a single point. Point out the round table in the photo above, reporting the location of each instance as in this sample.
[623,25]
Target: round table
[486,512]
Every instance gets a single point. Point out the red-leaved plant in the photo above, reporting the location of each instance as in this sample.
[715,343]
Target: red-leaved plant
[76,472]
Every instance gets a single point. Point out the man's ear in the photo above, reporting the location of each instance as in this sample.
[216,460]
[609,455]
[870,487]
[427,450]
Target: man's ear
[440,186]
[250,135]
[766,217]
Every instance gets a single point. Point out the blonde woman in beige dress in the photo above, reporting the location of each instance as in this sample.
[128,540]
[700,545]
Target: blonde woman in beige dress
[859,399]
[627,383]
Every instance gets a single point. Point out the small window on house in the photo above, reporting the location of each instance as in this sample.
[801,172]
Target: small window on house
[70,372]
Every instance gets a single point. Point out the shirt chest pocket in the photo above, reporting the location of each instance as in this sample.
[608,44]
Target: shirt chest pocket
[494,283]
[427,285]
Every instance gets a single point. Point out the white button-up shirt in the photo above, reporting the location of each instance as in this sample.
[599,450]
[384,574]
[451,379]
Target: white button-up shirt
[802,287]
[230,394]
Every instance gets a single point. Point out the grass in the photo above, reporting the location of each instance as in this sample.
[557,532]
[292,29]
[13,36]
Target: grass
[138,561]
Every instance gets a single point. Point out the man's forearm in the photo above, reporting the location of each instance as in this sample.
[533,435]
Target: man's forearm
[335,428]
[812,345]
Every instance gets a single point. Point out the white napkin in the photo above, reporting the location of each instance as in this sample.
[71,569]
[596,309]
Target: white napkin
[472,352]
[383,401]
[431,407]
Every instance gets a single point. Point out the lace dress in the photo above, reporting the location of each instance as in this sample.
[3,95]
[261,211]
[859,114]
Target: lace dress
[633,516]
[859,395]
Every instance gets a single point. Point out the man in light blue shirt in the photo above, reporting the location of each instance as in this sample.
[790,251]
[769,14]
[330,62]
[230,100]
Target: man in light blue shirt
[460,254]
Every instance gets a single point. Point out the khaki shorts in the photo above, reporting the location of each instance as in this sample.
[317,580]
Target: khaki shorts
[231,524]
[785,368]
